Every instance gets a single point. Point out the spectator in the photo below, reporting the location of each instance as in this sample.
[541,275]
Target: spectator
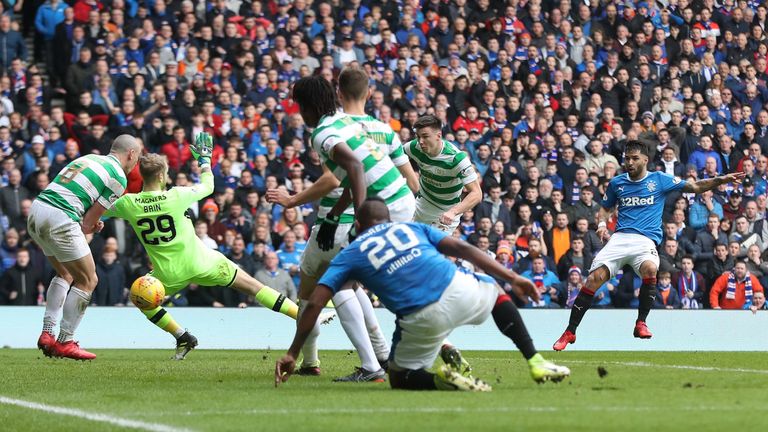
[12,195]
[275,277]
[734,289]
[690,285]
[290,256]
[569,289]
[22,284]
[201,230]
[574,257]
[758,302]
[12,44]
[111,289]
[545,281]
[667,297]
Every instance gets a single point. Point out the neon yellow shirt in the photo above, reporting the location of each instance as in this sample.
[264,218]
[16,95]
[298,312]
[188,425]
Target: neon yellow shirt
[159,220]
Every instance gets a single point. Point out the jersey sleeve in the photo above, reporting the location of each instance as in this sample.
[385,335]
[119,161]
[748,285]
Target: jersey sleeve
[670,183]
[433,235]
[396,152]
[467,172]
[609,198]
[338,271]
[113,189]
[190,194]
[118,208]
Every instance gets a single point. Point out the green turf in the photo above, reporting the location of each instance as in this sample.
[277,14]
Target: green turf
[233,390]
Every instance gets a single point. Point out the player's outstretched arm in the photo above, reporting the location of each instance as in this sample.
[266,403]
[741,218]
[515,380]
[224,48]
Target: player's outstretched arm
[461,249]
[322,187]
[711,183]
[285,366]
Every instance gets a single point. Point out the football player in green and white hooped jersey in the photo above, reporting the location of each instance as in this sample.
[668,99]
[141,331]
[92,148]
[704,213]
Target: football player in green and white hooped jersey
[68,209]
[384,165]
[445,173]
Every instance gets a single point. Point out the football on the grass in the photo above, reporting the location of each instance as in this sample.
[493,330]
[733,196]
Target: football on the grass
[147,292]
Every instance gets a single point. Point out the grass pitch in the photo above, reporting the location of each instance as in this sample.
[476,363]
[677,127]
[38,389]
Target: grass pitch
[233,390]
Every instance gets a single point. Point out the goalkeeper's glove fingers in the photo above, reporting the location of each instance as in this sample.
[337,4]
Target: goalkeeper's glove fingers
[326,235]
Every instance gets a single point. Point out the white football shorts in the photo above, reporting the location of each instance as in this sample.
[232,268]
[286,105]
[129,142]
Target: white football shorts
[626,248]
[468,300]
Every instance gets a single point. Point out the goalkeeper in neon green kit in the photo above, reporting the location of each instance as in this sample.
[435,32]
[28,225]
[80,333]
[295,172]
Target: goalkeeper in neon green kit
[177,254]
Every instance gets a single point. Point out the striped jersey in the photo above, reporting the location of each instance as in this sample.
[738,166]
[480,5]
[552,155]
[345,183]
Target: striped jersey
[442,177]
[382,177]
[83,182]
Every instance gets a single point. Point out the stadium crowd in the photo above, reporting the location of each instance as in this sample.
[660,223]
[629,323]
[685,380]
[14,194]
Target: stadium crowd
[542,95]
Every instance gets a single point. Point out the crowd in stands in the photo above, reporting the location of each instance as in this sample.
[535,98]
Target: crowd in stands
[542,94]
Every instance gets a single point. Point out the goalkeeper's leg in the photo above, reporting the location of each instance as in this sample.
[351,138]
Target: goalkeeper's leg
[265,295]
[160,317]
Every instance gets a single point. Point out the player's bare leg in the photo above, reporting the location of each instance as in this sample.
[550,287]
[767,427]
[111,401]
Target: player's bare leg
[581,305]
[647,296]
[55,296]
[84,279]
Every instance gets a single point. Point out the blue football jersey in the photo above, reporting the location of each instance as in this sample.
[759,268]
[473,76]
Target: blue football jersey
[641,203]
[399,262]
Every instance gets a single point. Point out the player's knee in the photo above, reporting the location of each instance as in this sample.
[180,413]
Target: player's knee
[648,270]
[86,282]
[598,277]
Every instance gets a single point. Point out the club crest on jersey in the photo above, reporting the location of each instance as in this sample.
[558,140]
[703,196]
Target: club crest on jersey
[651,186]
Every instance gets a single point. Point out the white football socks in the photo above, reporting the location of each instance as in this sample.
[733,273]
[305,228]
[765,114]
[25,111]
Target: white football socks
[74,309]
[55,296]
[379,342]
[309,350]
[352,319]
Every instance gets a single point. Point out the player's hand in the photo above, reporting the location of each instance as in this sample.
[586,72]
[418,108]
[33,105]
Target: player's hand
[202,148]
[279,196]
[352,235]
[736,177]
[284,369]
[327,234]
[524,288]
[98,227]
[447,218]
[603,234]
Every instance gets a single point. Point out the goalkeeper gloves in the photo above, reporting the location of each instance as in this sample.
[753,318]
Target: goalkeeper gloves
[327,232]
[202,148]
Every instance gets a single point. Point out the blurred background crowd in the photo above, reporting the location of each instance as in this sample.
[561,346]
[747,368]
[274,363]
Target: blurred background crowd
[542,95]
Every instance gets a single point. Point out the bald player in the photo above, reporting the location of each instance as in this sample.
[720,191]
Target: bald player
[61,216]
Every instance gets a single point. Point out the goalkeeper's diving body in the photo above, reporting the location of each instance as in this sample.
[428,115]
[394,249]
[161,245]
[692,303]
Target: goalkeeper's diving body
[179,257]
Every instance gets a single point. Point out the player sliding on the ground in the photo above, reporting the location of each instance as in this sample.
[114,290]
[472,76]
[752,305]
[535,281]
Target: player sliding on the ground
[178,256]
[403,264]
[62,214]
[640,197]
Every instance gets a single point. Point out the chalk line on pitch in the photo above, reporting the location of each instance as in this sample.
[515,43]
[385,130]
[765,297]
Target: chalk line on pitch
[104,418]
